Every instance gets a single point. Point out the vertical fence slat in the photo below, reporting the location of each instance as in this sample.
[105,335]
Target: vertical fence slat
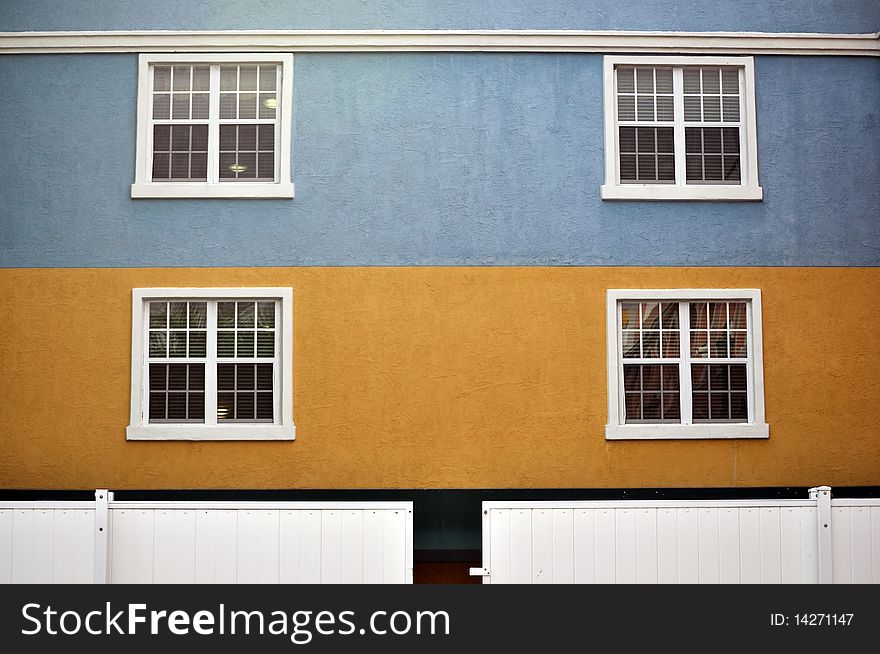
[667,546]
[352,536]
[875,544]
[585,546]
[520,546]
[206,547]
[23,532]
[605,554]
[728,545]
[500,542]
[184,551]
[625,546]
[289,546]
[790,546]
[63,547]
[749,546]
[708,546]
[841,546]
[85,543]
[267,544]
[563,546]
[771,568]
[331,548]
[860,530]
[310,547]
[395,557]
[542,546]
[163,547]
[5,546]
[688,547]
[374,537]
[809,545]
[248,548]
[646,546]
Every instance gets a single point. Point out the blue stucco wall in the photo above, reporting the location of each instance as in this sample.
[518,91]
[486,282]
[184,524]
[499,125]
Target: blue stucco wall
[435,159]
[684,15]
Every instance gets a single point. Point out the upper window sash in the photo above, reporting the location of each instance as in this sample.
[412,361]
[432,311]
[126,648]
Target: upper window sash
[679,188]
[214,186]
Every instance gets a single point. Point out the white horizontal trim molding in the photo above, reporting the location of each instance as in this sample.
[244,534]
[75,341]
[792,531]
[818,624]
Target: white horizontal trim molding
[279,190]
[442,41]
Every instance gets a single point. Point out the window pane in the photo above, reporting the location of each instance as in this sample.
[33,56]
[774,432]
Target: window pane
[630,315]
[176,344]
[158,347]
[650,378]
[178,315]
[201,78]
[181,75]
[225,344]
[226,314]
[158,377]
[198,345]
[161,106]
[265,409]
[245,378]
[671,344]
[264,376]
[633,407]
[225,406]
[650,345]
[226,376]
[651,406]
[158,314]
[162,78]
[265,344]
[245,315]
[650,315]
[245,344]
[267,78]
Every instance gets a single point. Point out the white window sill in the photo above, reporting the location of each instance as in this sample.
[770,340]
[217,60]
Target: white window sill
[684,432]
[256,190]
[190,432]
[671,192]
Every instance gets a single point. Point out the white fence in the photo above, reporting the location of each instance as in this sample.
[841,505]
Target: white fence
[818,540]
[109,541]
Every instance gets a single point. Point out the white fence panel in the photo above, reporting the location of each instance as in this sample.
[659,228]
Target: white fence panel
[47,542]
[207,542]
[707,541]
[855,537]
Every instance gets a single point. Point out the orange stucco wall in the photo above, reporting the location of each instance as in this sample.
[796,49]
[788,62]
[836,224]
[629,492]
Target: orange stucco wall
[437,378]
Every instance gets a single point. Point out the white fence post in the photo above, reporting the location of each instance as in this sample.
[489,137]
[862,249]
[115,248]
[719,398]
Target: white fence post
[822,495]
[102,536]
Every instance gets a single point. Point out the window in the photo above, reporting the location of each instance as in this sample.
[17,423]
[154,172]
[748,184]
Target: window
[214,126]
[685,364]
[211,364]
[680,128]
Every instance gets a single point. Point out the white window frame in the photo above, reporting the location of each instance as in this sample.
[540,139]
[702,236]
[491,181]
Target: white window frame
[748,189]
[617,429]
[282,428]
[144,187]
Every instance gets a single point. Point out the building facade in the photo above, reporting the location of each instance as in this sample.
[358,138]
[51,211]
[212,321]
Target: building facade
[441,251]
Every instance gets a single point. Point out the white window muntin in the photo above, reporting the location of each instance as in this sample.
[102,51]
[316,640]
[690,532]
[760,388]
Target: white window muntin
[747,189]
[282,427]
[214,187]
[616,428]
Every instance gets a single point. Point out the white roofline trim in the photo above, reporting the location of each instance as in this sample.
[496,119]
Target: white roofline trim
[442,41]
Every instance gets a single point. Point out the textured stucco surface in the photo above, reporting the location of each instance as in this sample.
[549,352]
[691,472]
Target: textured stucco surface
[436,159]
[693,15]
[437,378]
